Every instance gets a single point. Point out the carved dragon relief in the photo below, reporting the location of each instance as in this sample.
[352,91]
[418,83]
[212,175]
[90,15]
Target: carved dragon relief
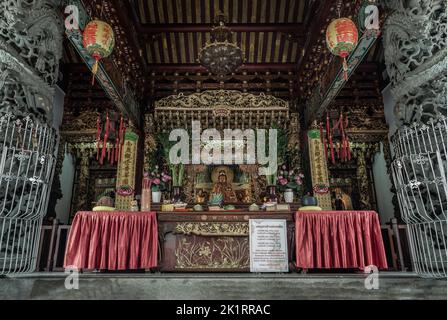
[221,98]
[415,41]
[30,49]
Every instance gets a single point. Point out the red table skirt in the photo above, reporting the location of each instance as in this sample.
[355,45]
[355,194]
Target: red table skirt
[339,239]
[112,241]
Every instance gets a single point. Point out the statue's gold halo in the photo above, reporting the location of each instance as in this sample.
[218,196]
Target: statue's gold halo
[228,172]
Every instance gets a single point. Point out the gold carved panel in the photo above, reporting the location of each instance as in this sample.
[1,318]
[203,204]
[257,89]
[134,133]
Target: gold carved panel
[213,253]
[213,229]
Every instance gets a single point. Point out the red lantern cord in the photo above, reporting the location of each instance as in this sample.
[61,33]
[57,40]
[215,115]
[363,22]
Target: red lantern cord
[106,136]
[120,138]
[323,140]
[98,137]
[328,129]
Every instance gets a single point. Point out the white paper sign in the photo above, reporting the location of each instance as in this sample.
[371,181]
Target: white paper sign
[268,245]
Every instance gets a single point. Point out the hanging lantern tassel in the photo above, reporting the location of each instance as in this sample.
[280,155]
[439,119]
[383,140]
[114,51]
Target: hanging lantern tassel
[95,70]
[323,140]
[329,137]
[106,136]
[98,136]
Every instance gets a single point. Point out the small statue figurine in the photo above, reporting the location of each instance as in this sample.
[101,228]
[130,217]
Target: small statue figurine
[222,186]
[202,196]
[134,205]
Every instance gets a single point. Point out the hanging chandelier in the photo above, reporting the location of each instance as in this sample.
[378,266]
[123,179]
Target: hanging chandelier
[220,56]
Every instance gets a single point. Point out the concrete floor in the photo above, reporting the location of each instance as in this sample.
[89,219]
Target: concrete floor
[220,286]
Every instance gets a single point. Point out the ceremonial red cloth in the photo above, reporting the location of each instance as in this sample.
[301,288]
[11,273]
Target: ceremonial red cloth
[338,239]
[112,241]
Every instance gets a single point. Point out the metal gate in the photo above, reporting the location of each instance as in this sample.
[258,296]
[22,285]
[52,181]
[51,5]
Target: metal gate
[27,149]
[419,175]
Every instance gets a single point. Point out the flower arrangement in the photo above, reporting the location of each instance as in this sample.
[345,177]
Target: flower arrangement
[289,179]
[125,190]
[159,179]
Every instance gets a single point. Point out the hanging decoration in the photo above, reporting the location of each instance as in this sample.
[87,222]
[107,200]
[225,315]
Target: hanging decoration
[110,131]
[336,141]
[341,39]
[220,56]
[98,40]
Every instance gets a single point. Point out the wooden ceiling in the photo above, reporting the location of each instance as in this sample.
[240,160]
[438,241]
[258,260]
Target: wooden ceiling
[158,41]
[174,31]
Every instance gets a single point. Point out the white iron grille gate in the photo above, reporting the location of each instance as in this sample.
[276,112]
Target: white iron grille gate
[27,151]
[419,175]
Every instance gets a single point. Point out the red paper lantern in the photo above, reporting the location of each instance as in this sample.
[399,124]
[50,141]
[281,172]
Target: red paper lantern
[98,40]
[342,37]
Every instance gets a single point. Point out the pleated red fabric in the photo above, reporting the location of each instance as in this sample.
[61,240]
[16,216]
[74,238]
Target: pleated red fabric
[339,239]
[112,241]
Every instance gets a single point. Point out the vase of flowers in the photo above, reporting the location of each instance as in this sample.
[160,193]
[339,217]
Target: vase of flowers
[289,182]
[159,181]
[288,196]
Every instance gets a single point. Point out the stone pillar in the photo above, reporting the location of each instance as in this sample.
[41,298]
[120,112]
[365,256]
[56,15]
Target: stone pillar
[30,49]
[415,42]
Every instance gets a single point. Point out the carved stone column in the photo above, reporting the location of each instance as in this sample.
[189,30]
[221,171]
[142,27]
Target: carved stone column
[415,41]
[363,183]
[30,49]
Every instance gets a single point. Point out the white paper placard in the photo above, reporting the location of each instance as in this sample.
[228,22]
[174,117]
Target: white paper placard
[268,245]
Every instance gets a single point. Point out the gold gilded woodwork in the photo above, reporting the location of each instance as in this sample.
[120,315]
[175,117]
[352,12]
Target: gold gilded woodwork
[229,98]
[318,168]
[216,253]
[362,177]
[212,229]
[127,169]
[231,107]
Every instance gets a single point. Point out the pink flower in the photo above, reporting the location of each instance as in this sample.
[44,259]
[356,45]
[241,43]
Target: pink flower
[280,177]
[284,167]
[156,181]
[283,181]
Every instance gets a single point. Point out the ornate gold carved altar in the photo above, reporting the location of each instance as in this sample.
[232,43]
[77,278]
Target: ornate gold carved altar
[223,109]
[211,241]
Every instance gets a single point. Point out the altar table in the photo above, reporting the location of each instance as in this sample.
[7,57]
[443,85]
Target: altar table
[212,241]
[112,241]
[338,239]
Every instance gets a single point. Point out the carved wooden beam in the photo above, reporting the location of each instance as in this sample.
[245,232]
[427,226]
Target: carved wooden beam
[192,67]
[122,96]
[296,29]
[333,80]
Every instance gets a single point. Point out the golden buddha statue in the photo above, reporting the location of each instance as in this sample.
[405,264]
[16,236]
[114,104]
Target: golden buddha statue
[224,187]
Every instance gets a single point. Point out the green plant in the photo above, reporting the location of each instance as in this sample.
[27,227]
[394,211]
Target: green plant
[281,151]
[177,170]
